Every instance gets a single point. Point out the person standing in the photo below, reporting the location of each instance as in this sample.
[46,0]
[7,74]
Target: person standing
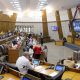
[31,51]
[41,39]
[37,51]
[45,51]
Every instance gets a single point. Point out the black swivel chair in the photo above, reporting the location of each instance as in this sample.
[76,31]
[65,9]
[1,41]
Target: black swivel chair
[59,75]
[12,66]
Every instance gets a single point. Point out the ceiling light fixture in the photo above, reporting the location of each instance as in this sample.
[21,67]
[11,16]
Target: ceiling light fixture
[42,4]
[15,4]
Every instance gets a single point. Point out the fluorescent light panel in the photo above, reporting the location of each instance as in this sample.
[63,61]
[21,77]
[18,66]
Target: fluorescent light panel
[15,4]
[42,4]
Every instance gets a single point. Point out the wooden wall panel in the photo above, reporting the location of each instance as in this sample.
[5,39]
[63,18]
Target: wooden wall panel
[7,23]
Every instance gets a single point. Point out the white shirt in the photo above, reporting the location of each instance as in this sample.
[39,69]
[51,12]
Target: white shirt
[31,52]
[34,42]
[23,64]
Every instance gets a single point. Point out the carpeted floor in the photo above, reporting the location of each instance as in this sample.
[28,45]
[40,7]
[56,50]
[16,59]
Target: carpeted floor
[56,53]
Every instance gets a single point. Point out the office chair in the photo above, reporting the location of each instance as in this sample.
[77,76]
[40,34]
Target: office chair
[12,66]
[58,76]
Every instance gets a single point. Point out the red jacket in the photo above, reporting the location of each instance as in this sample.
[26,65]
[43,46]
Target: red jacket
[37,50]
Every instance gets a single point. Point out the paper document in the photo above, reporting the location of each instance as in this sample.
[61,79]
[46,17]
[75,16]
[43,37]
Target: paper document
[53,74]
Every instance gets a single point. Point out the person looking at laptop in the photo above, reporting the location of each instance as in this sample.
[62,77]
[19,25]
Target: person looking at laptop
[23,63]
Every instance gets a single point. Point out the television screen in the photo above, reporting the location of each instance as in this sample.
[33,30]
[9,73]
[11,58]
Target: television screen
[54,28]
[76,25]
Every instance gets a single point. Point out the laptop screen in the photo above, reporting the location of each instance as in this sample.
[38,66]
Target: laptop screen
[59,67]
[35,62]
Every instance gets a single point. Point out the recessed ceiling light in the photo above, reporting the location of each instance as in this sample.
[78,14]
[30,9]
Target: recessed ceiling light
[16,2]
[42,0]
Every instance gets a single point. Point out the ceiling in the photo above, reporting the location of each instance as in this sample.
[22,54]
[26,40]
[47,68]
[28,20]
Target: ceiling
[33,4]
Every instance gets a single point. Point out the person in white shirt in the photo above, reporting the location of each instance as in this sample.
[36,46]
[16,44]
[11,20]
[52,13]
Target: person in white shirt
[23,63]
[34,41]
[31,51]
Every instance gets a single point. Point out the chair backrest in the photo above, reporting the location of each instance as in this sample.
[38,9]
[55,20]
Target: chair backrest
[12,66]
[58,76]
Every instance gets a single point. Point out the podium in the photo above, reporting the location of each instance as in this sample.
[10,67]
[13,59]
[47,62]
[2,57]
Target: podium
[13,55]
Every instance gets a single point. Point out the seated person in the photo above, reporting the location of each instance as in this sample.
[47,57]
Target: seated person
[69,62]
[64,40]
[23,63]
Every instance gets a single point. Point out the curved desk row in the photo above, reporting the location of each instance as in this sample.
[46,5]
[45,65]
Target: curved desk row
[2,41]
[72,74]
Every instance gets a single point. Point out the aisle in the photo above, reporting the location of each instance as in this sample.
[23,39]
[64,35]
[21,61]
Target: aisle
[55,53]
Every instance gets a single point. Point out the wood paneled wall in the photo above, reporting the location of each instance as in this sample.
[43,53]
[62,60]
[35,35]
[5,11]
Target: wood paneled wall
[7,23]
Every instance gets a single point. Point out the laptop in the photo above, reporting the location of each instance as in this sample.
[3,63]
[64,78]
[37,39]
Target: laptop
[35,62]
[59,67]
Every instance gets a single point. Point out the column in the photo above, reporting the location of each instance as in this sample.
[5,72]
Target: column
[44,23]
[70,16]
[59,24]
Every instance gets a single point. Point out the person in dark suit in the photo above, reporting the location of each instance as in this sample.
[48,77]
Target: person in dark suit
[41,39]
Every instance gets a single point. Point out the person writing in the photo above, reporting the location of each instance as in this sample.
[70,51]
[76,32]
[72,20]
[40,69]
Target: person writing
[23,63]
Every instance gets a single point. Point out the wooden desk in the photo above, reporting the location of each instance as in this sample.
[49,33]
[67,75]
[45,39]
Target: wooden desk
[67,74]
[42,69]
[2,41]
[77,41]
[59,42]
[69,39]
[7,76]
[71,75]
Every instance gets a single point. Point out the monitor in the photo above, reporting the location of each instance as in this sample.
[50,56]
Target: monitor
[35,62]
[76,25]
[59,67]
[54,28]
[25,78]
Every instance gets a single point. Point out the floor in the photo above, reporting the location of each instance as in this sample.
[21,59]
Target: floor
[56,53]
